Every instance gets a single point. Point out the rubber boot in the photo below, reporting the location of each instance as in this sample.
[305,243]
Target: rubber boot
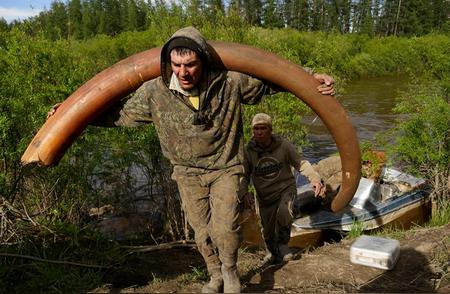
[215,284]
[286,253]
[231,283]
[273,254]
[269,258]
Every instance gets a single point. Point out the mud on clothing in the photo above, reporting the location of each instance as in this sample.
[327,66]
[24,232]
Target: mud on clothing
[205,145]
[211,137]
[276,218]
[271,172]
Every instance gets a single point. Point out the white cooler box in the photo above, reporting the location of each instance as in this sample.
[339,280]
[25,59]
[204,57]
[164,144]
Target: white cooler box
[375,252]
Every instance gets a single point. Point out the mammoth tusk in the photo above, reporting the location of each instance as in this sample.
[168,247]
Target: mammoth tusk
[124,77]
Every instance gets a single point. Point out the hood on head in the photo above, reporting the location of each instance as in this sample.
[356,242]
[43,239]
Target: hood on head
[188,37]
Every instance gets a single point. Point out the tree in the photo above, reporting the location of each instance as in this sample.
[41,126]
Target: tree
[235,7]
[131,19]
[194,8]
[3,25]
[272,14]
[143,13]
[213,7]
[417,18]
[85,18]
[363,17]
[317,14]
[100,17]
[252,11]
[88,23]
[56,21]
[390,13]
[113,17]
[377,6]
[441,13]
[342,10]
[296,14]
[75,23]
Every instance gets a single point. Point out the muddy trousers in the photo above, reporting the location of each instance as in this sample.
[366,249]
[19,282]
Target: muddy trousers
[211,203]
[277,218]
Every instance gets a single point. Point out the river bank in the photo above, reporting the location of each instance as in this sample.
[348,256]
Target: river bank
[423,267]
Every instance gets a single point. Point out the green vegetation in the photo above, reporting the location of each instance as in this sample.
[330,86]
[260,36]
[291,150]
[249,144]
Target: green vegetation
[83,19]
[356,230]
[393,232]
[422,140]
[442,257]
[441,216]
[196,275]
[45,211]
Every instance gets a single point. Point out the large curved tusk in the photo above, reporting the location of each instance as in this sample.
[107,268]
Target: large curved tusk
[117,81]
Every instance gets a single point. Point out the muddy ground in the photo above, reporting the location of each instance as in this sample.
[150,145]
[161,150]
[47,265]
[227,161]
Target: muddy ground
[423,267]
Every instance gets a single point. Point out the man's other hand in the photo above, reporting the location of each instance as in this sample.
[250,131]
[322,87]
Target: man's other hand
[318,187]
[326,86]
[53,109]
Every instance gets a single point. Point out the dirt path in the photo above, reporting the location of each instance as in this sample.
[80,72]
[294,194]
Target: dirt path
[423,259]
[423,267]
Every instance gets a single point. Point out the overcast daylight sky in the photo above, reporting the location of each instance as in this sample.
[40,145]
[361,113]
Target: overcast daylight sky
[22,9]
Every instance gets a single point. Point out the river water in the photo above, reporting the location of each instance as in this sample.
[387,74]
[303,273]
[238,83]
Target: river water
[368,102]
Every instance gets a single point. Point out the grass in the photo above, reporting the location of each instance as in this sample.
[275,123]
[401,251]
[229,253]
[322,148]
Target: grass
[155,279]
[392,232]
[441,217]
[49,278]
[66,263]
[442,257]
[197,274]
[356,229]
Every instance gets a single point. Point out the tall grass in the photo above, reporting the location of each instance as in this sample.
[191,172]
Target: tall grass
[441,216]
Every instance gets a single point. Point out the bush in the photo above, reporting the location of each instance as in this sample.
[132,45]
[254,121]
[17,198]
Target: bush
[422,136]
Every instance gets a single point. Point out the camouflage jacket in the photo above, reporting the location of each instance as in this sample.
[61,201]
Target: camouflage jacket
[208,138]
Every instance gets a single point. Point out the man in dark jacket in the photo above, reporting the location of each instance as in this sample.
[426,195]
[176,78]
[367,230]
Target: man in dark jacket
[269,163]
[196,111]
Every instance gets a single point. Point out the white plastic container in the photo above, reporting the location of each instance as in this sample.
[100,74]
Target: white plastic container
[375,252]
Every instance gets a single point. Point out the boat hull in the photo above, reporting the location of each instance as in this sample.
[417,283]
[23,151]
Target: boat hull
[371,217]
[371,208]
[252,236]
[404,218]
